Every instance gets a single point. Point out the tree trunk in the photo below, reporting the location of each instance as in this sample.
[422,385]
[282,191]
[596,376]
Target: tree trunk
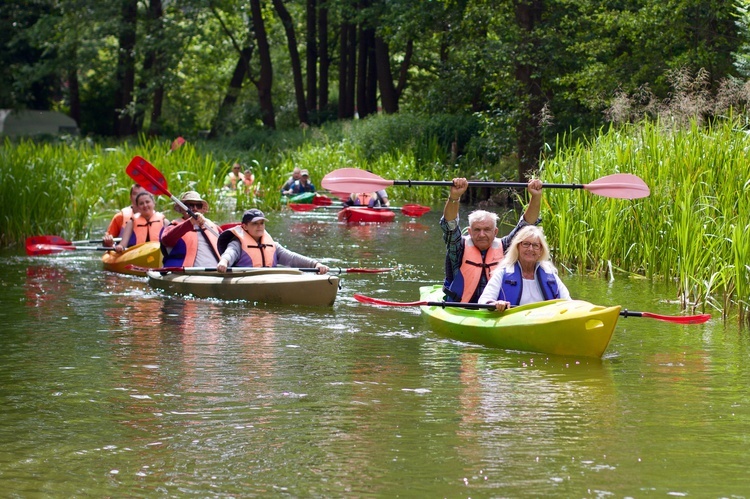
[291,37]
[528,133]
[367,83]
[74,95]
[325,59]
[241,69]
[346,70]
[388,94]
[312,54]
[265,80]
[125,73]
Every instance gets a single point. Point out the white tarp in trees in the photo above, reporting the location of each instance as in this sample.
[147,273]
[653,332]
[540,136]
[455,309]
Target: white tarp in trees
[19,123]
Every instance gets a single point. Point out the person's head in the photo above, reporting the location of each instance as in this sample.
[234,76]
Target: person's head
[296,173]
[134,191]
[192,200]
[236,168]
[304,176]
[482,228]
[254,223]
[145,203]
[528,246]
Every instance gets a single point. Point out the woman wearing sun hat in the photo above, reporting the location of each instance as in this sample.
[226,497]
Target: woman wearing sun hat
[249,245]
[188,242]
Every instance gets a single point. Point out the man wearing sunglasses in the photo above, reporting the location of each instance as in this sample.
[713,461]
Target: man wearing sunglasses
[188,242]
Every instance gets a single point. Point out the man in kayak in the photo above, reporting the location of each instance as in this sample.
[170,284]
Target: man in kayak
[526,273]
[122,217]
[249,245]
[303,184]
[234,178]
[470,260]
[286,189]
[188,242]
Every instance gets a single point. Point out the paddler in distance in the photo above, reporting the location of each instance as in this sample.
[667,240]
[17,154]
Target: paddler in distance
[470,260]
[188,242]
[249,245]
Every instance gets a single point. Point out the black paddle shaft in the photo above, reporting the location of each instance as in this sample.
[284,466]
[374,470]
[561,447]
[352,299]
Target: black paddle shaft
[489,183]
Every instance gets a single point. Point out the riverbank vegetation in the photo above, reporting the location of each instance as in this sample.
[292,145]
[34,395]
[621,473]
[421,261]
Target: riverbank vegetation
[693,230]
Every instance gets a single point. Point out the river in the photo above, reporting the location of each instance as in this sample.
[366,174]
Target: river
[112,389]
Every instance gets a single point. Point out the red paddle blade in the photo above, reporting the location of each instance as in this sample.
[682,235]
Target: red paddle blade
[414,210]
[679,319]
[228,226]
[619,185]
[367,271]
[353,180]
[321,200]
[146,174]
[302,206]
[46,249]
[177,143]
[57,240]
[374,301]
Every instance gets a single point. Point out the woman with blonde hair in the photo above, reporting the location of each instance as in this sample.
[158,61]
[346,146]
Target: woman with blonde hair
[526,273]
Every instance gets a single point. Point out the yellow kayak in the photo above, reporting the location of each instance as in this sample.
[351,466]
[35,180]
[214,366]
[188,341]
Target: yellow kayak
[141,255]
[560,327]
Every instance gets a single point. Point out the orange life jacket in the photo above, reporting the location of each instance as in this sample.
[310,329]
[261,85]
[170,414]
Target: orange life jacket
[473,265]
[144,231]
[255,254]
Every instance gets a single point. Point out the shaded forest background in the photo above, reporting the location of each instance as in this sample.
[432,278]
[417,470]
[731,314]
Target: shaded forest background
[499,79]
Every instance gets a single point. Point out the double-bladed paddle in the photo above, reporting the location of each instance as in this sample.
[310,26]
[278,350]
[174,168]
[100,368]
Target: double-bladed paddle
[151,179]
[679,319]
[49,249]
[59,241]
[410,210]
[191,270]
[618,185]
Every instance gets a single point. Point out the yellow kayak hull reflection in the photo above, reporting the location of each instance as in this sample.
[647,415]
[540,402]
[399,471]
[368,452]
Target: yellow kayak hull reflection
[558,327]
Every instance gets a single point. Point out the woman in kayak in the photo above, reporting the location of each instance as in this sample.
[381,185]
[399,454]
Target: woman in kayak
[191,242]
[122,217]
[526,274]
[249,245]
[145,226]
[369,199]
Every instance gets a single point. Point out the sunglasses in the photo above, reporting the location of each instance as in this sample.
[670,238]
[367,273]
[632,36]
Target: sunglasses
[194,206]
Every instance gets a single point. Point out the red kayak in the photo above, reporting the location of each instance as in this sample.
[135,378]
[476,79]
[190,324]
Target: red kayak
[361,214]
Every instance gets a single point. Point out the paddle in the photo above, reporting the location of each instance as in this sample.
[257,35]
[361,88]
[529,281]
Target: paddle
[619,185]
[151,179]
[410,210]
[48,249]
[679,319]
[189,270]
[59,241]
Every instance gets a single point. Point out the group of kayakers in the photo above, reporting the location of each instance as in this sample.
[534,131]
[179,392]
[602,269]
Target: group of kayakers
[479,267]
[195,241]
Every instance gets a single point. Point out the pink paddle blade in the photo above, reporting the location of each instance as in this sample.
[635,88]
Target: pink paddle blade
[414,210]
[619,185]
[146,174]
[353,180]
[176,143]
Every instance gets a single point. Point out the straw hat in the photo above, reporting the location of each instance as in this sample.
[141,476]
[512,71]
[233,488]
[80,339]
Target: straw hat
[193,197]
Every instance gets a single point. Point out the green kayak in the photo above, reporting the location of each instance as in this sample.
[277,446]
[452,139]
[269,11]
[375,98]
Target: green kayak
[560,327]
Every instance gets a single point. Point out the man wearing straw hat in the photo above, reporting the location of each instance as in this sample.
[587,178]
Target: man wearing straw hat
[188,242]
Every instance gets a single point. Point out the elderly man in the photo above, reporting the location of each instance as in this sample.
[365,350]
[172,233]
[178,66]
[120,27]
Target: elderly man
[471,259]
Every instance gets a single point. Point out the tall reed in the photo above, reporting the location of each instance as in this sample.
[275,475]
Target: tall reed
[691,230]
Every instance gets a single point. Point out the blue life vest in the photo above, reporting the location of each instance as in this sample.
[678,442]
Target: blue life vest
[512,285]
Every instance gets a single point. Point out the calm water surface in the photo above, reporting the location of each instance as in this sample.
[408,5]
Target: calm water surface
[111,389]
